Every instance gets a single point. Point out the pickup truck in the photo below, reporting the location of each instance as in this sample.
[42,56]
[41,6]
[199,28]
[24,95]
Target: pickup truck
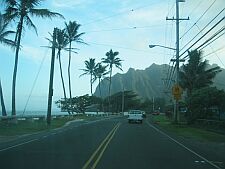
[135,116]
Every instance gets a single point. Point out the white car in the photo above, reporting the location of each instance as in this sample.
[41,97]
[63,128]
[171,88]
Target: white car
[135,116]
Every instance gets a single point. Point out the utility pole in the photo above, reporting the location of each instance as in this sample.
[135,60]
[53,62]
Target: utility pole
[50,92]
[177,19]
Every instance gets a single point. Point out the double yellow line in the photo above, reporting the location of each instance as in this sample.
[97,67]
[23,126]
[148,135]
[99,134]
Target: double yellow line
[96,156]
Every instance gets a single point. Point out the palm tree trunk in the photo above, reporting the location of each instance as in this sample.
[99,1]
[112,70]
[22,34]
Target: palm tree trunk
[110,78]
[100,91]
[61,73]
[70,90]
[20,27]
[91,85]
[2,101]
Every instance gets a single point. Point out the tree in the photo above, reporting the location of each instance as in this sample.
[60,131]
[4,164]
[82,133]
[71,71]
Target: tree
[90,68]
[20,11]
[111,60]
[99,73]
[204,101]
[72,34]
[3,40]
[195,75]
[61,43]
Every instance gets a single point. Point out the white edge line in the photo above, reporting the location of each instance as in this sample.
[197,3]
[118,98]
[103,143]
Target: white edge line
[17,145]
[183,146]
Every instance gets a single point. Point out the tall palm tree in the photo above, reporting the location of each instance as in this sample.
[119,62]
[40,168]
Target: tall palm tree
[3,40]
[111,60]
[61,43]
[20,11]
[195,74]
[99,73]
[90,68]
[73,36]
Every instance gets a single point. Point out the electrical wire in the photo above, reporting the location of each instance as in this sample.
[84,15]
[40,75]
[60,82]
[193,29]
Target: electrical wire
[203,29]
[35,81]
[198,19]
[203,36]
[207,42]
[125,28]
[118,14]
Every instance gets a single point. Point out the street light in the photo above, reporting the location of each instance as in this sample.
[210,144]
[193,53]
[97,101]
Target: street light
[152,46]
[177,60]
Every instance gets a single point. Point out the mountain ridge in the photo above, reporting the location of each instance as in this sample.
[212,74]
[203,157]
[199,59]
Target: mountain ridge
[147,83]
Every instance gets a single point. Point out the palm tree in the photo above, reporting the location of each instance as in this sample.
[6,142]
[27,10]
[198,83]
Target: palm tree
[73,36]
[3,40]
[90,68]
[99,73]
[61,43]
[195,75]
[2,101]
[112,60]
[20,11]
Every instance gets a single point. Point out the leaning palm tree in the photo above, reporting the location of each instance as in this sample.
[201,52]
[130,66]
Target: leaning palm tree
[111,60]
[73,36]
[61,43]
[90,68]
[3,40]
[99,73]
[20,11]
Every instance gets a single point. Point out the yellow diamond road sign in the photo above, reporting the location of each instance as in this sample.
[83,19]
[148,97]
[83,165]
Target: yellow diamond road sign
[177,91]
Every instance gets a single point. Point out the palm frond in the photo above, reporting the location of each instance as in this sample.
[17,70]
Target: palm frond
[45,13]
[30,24]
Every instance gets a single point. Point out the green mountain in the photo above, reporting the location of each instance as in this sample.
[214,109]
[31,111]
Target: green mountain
[146,83]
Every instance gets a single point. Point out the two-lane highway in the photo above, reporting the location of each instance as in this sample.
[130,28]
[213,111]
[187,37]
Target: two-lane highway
[106,144]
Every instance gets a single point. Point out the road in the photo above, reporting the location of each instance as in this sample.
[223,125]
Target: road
[103,144]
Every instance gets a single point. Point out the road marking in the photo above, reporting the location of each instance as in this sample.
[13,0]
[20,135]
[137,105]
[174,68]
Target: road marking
[100,146]
[17,145]
[203,158]
[103,150]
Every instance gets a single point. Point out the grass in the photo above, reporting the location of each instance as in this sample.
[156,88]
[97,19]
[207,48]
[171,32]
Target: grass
[28,127]
[187,131]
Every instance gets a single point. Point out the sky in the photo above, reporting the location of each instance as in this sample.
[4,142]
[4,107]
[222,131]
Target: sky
[126,26]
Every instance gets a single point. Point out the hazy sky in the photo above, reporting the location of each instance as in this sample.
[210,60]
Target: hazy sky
[126,26]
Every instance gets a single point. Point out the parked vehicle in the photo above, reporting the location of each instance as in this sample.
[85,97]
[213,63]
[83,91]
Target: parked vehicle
[135,116]
[156,113]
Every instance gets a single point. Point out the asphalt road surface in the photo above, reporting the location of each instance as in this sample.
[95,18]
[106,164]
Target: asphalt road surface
[103,144]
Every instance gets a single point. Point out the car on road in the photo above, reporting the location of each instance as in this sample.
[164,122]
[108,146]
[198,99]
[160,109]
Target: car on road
[135,116]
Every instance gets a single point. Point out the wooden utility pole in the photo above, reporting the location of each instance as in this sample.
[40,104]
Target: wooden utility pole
[50,92]
[177,60]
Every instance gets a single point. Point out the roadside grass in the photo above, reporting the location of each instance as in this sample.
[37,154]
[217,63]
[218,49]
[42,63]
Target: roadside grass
[186,131]
[28,127]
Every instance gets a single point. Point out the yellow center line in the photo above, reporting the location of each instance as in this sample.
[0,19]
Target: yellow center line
[103,150]
[100,146]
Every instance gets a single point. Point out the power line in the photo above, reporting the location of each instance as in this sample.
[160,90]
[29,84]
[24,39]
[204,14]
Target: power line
[203,29]
[122,47]
[35,81]
[117,14]
[198,19]
[124,28]
[202,36]
[207,42]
